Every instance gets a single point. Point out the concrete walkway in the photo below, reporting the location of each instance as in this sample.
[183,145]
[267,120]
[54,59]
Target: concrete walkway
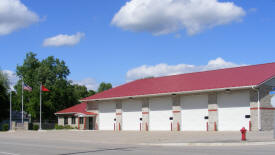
[144,138]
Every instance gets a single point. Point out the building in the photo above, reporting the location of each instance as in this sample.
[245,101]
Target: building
[217,100]
[77,117]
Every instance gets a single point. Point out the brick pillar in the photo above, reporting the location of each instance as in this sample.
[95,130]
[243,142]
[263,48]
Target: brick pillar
[84,125]
[119,122]
[212,112]
[78,121]
[61,120]
[267,111]
[145,114]
[253,97]
[176,113]
[70,120]
[96,122]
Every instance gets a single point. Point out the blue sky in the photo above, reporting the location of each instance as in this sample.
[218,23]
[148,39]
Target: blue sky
[108,50]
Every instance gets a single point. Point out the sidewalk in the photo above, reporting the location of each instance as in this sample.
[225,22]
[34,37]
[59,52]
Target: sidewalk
[144,138]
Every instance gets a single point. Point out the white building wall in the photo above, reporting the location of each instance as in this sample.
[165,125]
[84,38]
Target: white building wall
[160,110]
[194,109]
[131,114]
[232,110]
[107,114]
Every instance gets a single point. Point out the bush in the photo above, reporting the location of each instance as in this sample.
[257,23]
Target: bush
[35,127]
[58,127]
[5,127]
[67,127]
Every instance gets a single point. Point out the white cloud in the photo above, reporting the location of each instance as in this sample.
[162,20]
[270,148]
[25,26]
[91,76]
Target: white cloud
[90,83]
[12,78]
[64,40]
[15,15]
[166,16]
[164,69]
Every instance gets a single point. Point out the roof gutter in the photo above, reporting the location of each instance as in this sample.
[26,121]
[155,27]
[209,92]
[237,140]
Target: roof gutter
[170,93]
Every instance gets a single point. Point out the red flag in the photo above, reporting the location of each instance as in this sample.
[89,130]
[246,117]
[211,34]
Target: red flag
[44,88]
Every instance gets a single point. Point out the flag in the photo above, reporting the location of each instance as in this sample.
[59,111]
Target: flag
[26,87]
[44,88]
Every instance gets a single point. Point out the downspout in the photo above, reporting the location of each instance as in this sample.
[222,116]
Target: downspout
[259,109]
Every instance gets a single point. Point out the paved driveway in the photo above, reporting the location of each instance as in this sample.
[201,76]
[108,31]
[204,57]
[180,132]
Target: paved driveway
[120,143]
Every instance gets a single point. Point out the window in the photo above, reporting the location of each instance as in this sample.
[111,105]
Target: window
[73,120]
[81,120]
[65,120]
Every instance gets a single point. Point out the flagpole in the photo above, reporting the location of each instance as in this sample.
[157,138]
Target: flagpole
[10,111]
[22,101]
[40,127]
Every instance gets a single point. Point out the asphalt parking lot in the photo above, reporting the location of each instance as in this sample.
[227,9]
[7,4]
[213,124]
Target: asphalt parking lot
[136,143]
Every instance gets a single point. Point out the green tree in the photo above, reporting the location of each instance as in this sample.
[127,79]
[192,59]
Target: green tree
[80,91]
[52,73]
[4,97]
[104,86]
[91,92]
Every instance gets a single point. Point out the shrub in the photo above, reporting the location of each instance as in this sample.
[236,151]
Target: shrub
[35,127]
[67,127]
[58,126]
[5,127]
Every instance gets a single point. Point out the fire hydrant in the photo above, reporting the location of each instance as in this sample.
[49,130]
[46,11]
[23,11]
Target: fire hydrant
[243,132]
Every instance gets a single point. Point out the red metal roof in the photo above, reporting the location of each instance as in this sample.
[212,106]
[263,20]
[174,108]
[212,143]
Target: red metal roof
[79,108]
[215,79]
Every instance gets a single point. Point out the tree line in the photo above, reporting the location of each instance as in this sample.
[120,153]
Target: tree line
[52,73]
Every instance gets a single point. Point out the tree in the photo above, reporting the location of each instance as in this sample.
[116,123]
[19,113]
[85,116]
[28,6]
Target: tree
[52,73]
[91,92]
[104,86]
[4,97]
[80,91]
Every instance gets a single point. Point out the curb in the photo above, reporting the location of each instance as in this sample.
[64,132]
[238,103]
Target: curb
[211,144]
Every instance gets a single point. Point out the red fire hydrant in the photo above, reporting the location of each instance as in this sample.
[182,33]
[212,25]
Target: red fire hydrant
[243,131]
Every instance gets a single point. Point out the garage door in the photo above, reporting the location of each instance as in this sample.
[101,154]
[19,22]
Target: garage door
[131,114]
[160,112]
[107,115]
[194,109]
[233,107]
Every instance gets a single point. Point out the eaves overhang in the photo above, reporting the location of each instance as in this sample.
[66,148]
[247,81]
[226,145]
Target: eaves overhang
[173,93]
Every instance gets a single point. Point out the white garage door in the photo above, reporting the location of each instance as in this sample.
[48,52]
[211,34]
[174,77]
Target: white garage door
[194,109]
[131,114]
[160,112]
[107,115]
[232,110]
